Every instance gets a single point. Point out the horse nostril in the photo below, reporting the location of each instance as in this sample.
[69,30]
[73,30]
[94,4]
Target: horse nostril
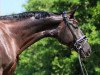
[90,51]
[88,54]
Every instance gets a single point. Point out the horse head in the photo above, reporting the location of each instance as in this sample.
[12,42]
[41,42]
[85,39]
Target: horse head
[70,34]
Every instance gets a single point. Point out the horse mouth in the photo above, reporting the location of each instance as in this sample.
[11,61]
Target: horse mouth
[84,49]
[84,54]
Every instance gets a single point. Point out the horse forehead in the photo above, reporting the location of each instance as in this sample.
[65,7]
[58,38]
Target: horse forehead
[71,19]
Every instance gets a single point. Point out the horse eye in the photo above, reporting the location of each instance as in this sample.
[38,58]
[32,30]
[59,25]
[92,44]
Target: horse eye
[75,22]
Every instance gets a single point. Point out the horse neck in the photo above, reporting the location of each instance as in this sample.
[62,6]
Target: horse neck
[31,30]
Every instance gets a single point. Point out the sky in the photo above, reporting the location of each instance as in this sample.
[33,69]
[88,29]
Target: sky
[11,6]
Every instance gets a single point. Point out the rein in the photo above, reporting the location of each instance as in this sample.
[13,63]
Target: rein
[77,43]
[82,66]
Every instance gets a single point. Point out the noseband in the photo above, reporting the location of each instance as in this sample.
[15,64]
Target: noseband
[77,43]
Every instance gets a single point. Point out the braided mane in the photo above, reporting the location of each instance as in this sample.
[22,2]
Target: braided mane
[25,15]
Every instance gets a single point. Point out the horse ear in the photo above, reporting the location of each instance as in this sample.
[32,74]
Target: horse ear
[73,12]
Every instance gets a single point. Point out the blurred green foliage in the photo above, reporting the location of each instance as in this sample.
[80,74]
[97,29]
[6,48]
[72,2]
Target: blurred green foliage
[48,56]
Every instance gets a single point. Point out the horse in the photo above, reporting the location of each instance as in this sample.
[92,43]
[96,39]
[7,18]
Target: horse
[19,31]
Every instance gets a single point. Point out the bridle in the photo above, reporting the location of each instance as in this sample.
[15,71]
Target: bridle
[77,43]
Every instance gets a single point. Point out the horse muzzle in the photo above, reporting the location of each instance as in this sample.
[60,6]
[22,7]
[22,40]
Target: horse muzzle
[83,47]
